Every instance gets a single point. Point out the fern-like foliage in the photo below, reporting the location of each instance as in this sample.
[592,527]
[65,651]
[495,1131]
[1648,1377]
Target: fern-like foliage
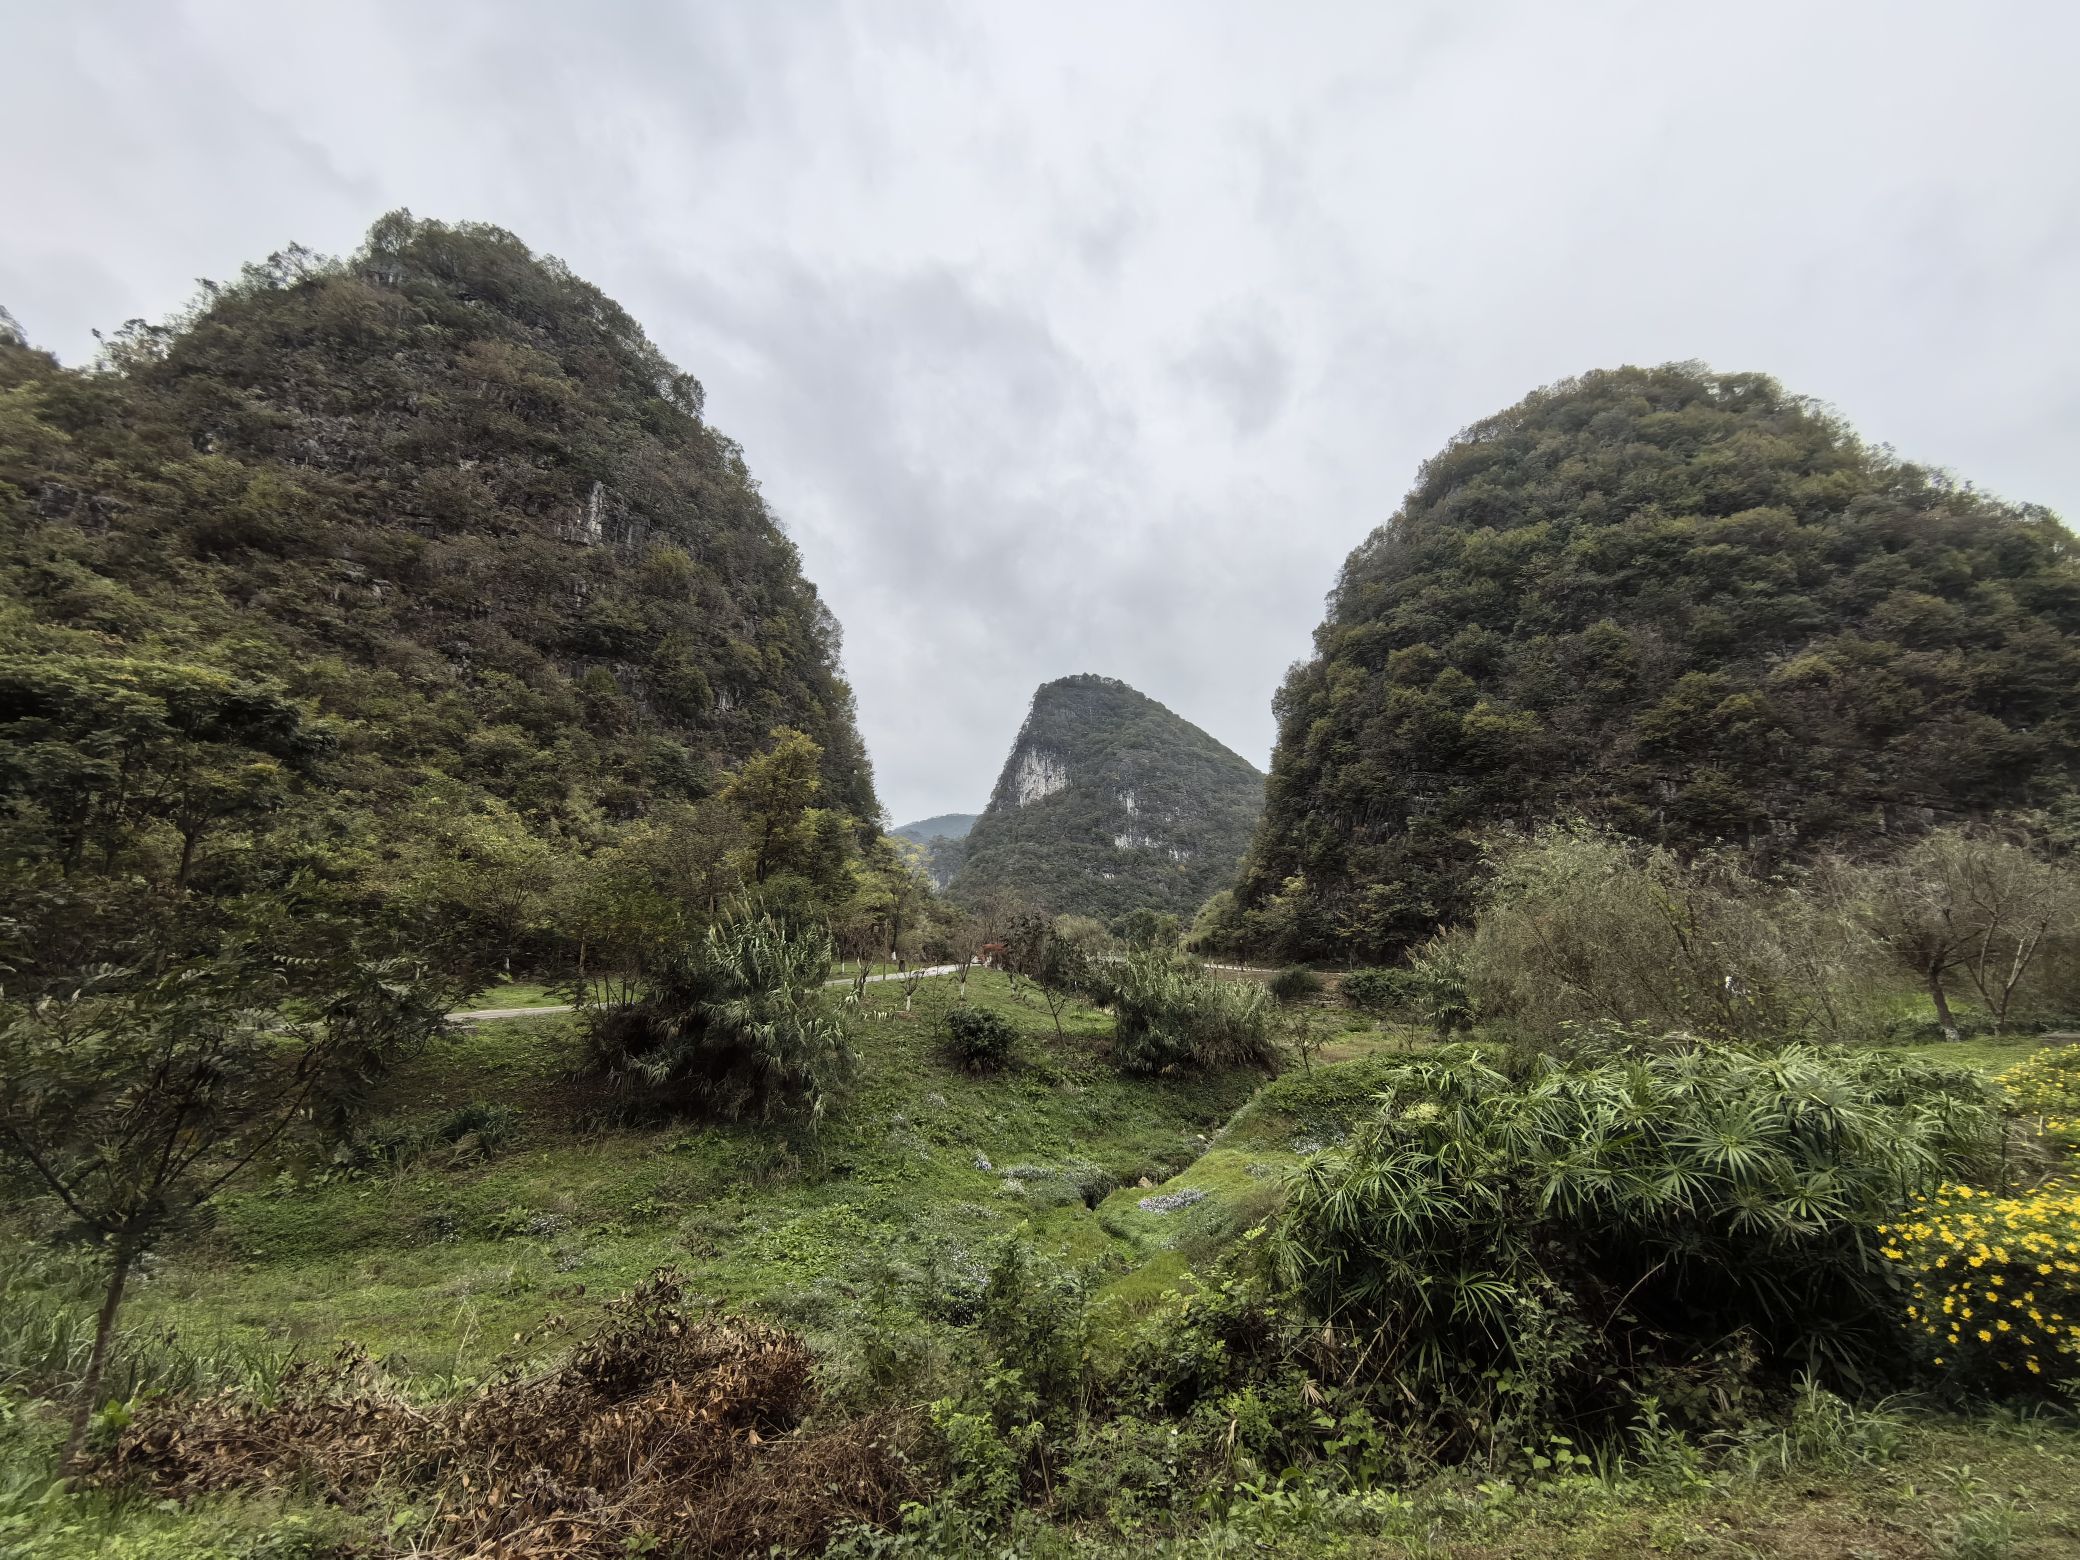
[736,1023]
[1173,1014]
[1546,1234]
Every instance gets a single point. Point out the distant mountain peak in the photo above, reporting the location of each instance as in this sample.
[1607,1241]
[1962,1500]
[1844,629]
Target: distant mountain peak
[1109,802]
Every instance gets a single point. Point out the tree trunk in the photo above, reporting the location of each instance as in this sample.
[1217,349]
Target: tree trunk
[1935,991]
[97,1358]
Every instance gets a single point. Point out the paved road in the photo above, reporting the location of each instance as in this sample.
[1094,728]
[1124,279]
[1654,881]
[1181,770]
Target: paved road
[487,1015]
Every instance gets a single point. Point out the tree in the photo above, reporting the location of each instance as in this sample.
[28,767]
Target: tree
[490,871]
[1146,928]
[771,792]
[137,1099]
[1967,899]
[2021,905]
[1061,956]
[860,930]
[109,750]
[692,848]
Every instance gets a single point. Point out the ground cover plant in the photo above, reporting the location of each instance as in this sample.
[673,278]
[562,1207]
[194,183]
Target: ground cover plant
[1181,1405]
[1995,1282]
[2045,1086]
[1601,1215]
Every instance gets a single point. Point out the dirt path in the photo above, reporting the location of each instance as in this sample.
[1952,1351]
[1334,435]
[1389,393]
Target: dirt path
[493,1015]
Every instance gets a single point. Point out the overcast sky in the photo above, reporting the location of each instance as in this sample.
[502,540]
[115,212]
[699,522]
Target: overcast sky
[1072,337]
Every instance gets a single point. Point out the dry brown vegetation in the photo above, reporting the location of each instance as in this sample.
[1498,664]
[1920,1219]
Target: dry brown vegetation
[683,1435]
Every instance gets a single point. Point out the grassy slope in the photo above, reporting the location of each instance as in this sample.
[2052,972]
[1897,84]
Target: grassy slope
[848,1235]
[436,1268]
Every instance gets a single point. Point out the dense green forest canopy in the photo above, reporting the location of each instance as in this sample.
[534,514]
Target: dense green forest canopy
[1691,606]
[1110,803]
[449,492]
[424,564]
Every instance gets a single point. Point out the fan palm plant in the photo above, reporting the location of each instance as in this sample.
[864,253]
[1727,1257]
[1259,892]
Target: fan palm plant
[1661,1202]
[735,1023]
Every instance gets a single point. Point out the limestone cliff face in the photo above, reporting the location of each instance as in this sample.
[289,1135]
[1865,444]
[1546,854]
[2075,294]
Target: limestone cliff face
[1108,802]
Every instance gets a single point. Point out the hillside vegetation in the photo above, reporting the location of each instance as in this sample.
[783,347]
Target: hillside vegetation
[391,623]
[1109,803]
[428,560]
[1690,606]
[408,589]
[941,843]
[942,826]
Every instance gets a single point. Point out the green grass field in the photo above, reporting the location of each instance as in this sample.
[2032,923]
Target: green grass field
[455,1263]
[435,1267]
[516,994]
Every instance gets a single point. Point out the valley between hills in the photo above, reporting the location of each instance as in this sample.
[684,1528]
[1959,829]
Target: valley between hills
[1611,1084]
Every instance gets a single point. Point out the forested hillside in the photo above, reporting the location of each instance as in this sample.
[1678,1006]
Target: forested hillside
[425,558]
[941,826]
[1691,606]
[941,843]
[1109,803]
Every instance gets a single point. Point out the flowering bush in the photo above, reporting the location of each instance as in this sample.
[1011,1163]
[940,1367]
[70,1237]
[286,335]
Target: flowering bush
[1995,1280]
[2047,1086]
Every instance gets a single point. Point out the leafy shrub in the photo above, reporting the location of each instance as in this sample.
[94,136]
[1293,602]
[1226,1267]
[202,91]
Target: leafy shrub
[734,1024]
[2047,1086]
[1431,990]
[980,1038]
[1173,1014]
[1644,1205]
[1378,991]
[478,1129]
[1995,1282]
[1296,983]
[1579,924]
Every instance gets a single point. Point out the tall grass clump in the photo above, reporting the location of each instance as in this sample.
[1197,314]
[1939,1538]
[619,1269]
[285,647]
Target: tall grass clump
[1171,1014]
[733,1024]
[48,1300]
[1296,983]
[1545,1237]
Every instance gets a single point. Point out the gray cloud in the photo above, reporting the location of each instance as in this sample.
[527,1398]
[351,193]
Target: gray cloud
[1090,338]
[1239,366]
